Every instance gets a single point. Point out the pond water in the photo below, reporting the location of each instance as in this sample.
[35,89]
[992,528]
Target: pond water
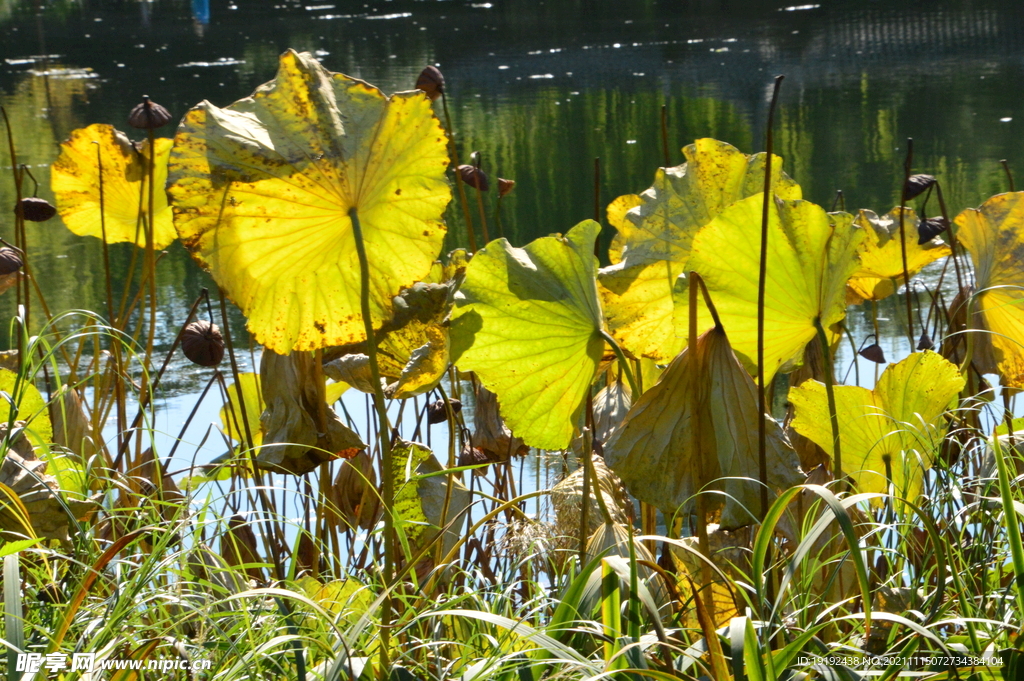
[541,89]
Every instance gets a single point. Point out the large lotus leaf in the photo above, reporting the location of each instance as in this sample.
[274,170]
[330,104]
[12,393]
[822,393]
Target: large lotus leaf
[994,234]
[644,298]
[75,179]
[528,322]
[881,255]
[262,194]
[811,255]
[899,421]
[656,454]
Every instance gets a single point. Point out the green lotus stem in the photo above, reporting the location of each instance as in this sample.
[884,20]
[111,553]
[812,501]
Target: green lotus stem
[953,241]
[480,205]
[19,228]
[150,255]
[387,469]
[826,354]
[762,433]
[664,133]
[622,363]
[585,505]
[701,503]
[903,237]
[458,178]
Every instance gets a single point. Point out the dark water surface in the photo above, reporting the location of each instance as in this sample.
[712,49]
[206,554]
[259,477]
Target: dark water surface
[541,88]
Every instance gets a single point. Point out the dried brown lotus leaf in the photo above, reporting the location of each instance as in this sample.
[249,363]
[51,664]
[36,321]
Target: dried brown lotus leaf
[166,495]
[610,406]
[653,450]
[72,428]
[9,281]
[24,475]
[352,369]
[355,492]
[490,434]
[238,546]
[291,441]
[567,500]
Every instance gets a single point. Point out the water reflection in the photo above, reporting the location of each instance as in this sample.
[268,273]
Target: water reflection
[541,89]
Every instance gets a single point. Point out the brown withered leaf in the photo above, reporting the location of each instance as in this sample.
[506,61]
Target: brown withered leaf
[653,451]
[24,476]
[294,399]
[354,492]
[490,434]
[238,547]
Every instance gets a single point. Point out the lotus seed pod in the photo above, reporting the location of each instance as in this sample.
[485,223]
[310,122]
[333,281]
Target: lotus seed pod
[34,209]
[431,81]
[931,228]
[925,342]
[10,261]
[917,185]
[874,353]
[505,186]
[436,412]
[202,343]
[148,115]
[474,177]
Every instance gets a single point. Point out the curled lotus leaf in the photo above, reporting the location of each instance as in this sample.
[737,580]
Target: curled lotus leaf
[76,180]
[264,192]
[881,255]
[420,497]
[994,235]
[23,476]
[528,322]
[811,255]
[644,291]
[293,439]
[413,346]
[899,423]
[490,434]
[656,451]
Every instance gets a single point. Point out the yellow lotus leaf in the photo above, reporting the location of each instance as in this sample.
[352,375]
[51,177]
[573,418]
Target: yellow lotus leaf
[412,346]
[75,179]
[231,420]
[811,255]
[347,596]
[994,234]
[528,322]
[656,454]
[881,255]
[729,553]
[263,193]
[616,212]
[644,298]
[30,407]
[900,421]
